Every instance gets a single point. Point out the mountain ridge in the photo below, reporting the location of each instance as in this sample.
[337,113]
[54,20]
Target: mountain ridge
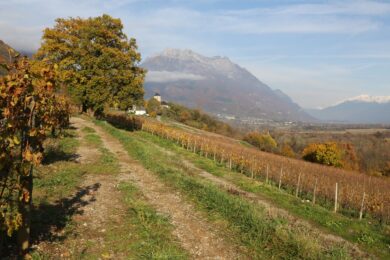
[216,84]
[359,109]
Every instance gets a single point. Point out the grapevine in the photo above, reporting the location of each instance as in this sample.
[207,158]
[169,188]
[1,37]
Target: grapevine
[29,109]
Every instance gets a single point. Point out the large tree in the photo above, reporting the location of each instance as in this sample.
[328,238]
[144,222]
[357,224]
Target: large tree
[97,64]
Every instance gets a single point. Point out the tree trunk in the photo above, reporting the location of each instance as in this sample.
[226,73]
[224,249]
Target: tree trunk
[25,207]
[84,108]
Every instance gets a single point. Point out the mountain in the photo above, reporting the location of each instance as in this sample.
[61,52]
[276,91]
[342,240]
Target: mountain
[216,85]
[361,109]
[5,51]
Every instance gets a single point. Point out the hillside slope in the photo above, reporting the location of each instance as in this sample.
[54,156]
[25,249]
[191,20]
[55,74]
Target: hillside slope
[217,85]
[5,51]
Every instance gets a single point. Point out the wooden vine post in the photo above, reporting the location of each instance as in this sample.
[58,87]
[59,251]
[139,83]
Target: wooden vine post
[336,193]
[266,178]
[195,146]
[242,164]
[314,191]
[299,180]
[362,206]
[253,166]
[230,161]
[280,177]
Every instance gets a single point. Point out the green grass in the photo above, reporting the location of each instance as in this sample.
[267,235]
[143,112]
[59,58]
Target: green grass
[107,162]
[61,174]
[88,130]
[144,234]
[248,225]
[371,235]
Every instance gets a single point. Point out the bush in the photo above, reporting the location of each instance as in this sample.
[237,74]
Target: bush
[287,151]
[326,153]
[264,142]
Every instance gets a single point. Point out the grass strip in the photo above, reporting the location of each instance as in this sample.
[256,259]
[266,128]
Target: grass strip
[143,234]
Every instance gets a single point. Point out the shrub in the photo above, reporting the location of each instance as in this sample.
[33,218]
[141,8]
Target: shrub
[326,153]
[264,142]
[287,151]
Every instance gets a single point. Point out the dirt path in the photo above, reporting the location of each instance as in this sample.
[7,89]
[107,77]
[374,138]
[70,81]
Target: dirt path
[271,209]
[194,232]
[102,207]
[96,205]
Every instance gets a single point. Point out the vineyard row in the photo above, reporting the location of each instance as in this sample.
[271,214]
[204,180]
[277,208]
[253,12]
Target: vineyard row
[321,184]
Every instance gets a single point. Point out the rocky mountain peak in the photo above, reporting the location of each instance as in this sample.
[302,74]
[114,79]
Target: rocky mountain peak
[217,85]
[188,61]
[181,54]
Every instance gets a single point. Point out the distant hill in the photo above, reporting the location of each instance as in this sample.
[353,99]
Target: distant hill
[216,85]
[362,109]
[4,54]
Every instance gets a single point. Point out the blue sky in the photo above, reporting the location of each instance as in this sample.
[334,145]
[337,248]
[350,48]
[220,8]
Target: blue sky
[318,52]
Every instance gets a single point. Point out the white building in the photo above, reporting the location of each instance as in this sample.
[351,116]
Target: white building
[157,97]
[138,111]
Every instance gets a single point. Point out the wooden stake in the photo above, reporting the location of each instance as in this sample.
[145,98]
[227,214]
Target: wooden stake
[314,191]
[280,177]
[266,178]
[252,169]
[299,180]
[362,206]
[335,197]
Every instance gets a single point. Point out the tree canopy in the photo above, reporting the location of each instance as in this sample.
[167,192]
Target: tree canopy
[97,64]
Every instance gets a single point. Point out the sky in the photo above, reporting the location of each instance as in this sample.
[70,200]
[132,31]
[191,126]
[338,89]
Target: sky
[317,52]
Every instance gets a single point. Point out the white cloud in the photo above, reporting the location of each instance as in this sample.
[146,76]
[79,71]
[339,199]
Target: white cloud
[169,76]
[168,22]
